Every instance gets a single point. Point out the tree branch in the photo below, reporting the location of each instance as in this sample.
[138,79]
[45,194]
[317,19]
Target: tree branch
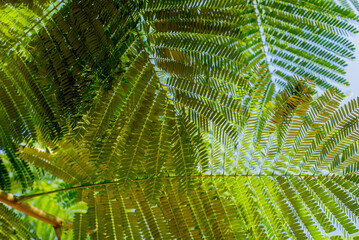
[58,223]
[12,201]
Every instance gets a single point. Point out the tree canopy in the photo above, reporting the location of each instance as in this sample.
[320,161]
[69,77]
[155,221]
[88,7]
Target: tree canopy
[177,119]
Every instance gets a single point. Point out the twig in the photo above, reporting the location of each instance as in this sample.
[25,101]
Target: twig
[58,223]
[27,197]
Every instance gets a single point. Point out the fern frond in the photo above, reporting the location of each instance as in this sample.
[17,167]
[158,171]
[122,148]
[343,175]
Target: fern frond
[349,4]
[291,33]
[157,114]
[13,227]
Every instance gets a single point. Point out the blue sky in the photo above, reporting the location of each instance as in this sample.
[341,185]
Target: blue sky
[353,72]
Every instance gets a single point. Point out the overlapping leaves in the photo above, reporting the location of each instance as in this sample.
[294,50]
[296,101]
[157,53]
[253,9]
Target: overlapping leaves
[13,227]
[197,53]
[164,100]
[350,4]
[280,166]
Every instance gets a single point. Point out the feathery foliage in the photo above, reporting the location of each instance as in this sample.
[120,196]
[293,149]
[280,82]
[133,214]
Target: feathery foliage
[180,119]
[350,4]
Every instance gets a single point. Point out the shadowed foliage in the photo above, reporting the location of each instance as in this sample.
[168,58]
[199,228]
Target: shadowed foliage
[179,119]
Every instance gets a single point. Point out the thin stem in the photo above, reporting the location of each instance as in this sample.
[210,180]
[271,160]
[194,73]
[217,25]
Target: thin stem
[58,223]
[262,34]
[12,201]
[27,197]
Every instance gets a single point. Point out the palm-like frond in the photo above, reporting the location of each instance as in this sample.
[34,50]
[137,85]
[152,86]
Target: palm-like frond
[23,105]
[157,113]
[13,227]
[291,33]
[18,18]
[194,56]
[291,38]
[350,4]
[119,105]
[280,179]
[224,207]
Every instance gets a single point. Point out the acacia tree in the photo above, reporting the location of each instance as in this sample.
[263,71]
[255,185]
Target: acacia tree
[177,119]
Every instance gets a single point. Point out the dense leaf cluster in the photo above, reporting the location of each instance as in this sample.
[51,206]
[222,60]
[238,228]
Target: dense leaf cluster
[180,119]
